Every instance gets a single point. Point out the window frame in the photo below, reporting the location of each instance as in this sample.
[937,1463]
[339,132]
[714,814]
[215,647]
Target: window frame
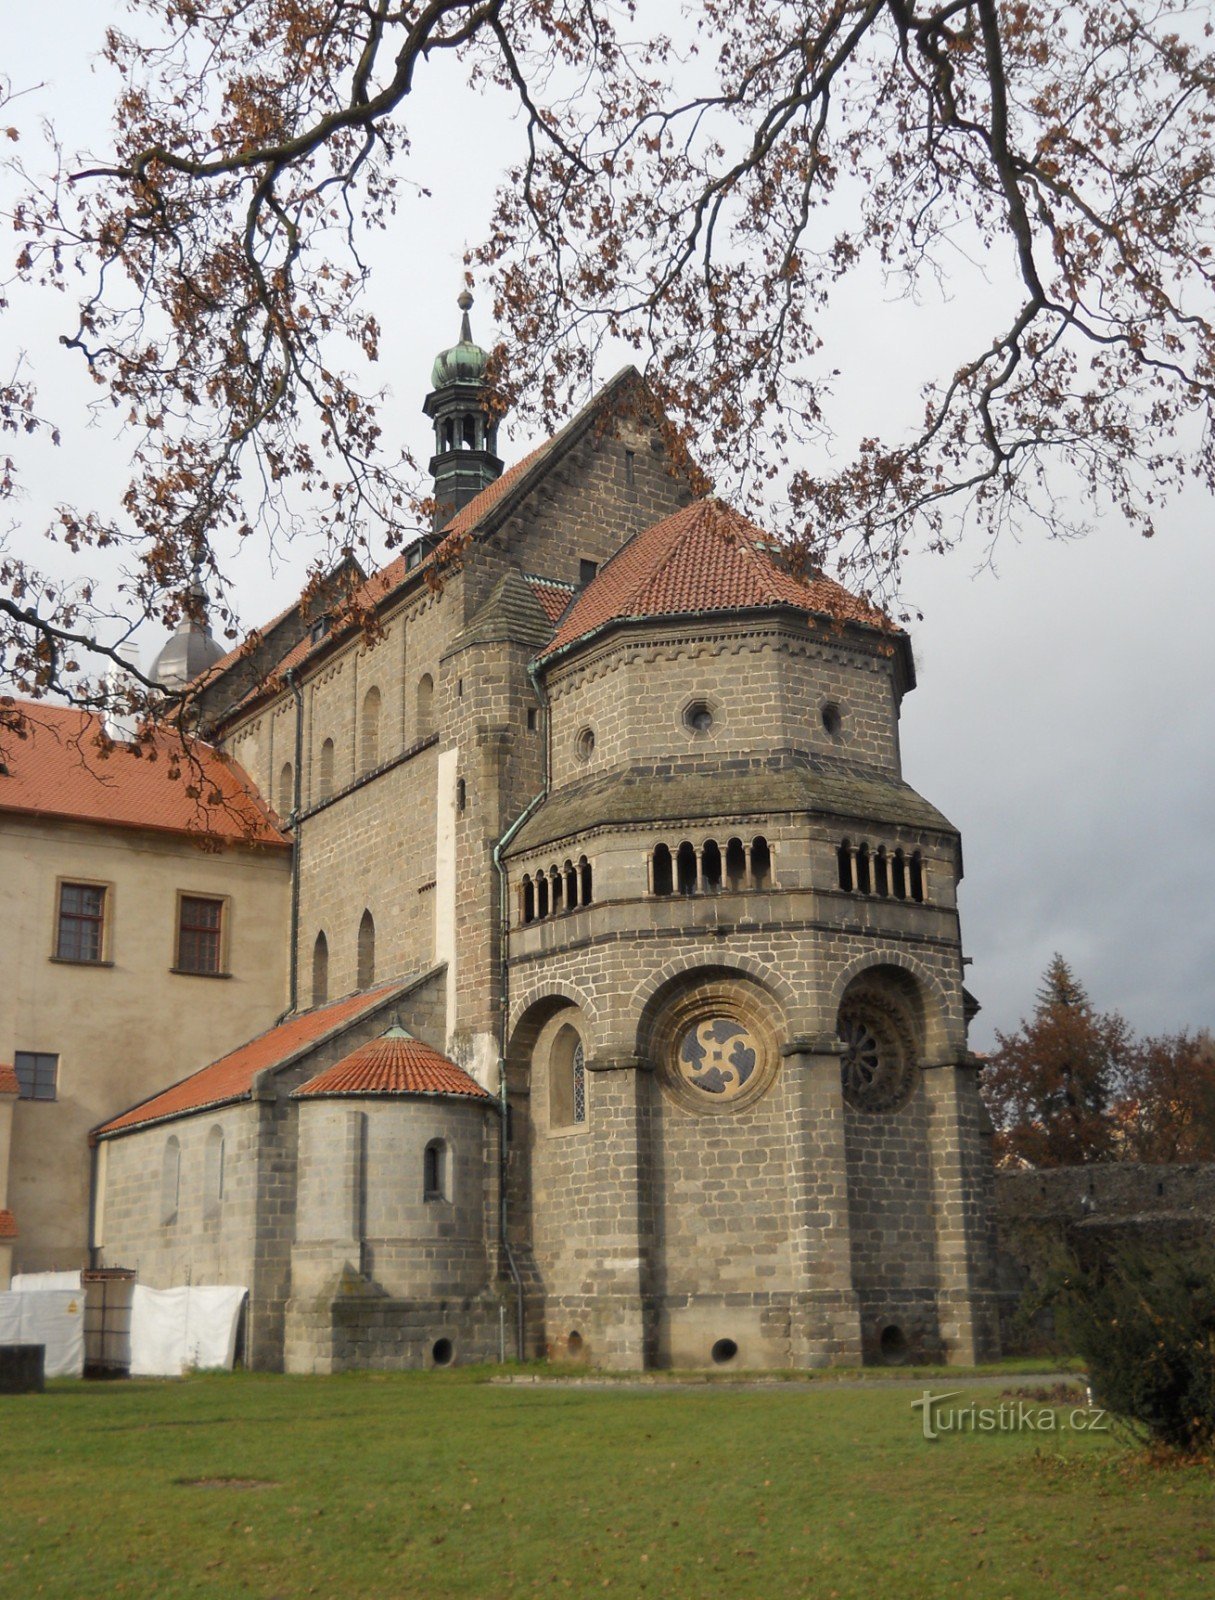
[223,932]
[102,959]
[36,1056]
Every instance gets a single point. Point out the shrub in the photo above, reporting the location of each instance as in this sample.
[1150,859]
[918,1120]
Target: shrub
[1144,1322]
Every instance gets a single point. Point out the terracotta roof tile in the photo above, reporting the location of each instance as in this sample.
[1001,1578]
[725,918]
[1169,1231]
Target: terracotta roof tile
[395,1063]
[553,595]
[231,1077]
[64,769]
[8,1225]
[8,1080]
[705,557]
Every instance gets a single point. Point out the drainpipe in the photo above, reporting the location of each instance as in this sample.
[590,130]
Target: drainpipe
[293,683]
[504,980]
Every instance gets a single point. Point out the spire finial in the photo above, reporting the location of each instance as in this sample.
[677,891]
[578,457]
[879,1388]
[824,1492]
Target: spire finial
[464,302]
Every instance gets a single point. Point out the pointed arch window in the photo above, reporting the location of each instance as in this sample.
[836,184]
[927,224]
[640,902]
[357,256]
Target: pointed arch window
[170,1180]
[325,784]
[425,706]
[286,790]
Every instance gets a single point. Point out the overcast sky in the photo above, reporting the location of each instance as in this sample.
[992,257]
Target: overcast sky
[1063,713]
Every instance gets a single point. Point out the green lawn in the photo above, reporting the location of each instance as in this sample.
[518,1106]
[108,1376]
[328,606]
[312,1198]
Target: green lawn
[441,1485]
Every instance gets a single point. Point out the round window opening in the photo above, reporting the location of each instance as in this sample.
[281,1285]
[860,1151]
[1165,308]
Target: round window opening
[877,1064]
[724,1350]
[833,720]
[698,717]
[441,1352]
[718,1057]
[584,744]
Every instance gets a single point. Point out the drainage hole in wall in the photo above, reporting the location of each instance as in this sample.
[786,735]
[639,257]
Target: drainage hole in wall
[893,1345]
[441,1352]
[724,1350]
[574,1343]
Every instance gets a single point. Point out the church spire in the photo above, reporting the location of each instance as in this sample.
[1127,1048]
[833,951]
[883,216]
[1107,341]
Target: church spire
[466,426]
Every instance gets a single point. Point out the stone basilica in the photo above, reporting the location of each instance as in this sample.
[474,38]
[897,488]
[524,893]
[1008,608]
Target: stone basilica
[625,1016]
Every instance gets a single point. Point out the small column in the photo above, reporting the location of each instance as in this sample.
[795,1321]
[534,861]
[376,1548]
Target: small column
[700,870]
[748,879]
[9,1090]
[825,1324]
[962,1179]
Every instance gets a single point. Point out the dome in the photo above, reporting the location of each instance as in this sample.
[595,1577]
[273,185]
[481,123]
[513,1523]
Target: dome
[464,362]
[192,650]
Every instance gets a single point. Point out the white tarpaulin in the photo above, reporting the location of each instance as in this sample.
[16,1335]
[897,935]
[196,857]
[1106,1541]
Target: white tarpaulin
[175,1330]
[44,1280]
[51,1317]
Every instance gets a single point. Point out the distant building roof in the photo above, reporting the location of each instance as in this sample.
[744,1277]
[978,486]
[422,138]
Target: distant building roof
[231,1077]
[394,1064]
[706,557]
[65,766]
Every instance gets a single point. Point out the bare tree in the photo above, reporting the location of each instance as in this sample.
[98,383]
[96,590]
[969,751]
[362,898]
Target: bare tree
[701,196]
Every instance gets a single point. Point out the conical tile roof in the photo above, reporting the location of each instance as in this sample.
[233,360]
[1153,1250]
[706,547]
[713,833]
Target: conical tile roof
[704,558]
[395,1063]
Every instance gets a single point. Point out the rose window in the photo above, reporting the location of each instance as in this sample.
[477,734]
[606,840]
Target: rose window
[718,1057]
[877,1065]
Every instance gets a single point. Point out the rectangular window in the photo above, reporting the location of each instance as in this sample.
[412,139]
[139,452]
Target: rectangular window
[37,1074]
[587,570]
[81,931]
[199,934]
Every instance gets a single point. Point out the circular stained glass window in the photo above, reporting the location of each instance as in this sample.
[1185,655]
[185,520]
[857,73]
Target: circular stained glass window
[718,1057]
[877,1064]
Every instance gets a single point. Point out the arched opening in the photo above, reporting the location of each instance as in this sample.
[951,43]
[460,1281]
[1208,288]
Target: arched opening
[917,876]
[761,863]
[844,857]
[685,868]
[710,867]
[320,970]
[736,865]
[425,719]
[366,968]
[529,899]
[442,1352]
[542,894]
[585,880]
[571,885]
[567,1079]
[286,790]
[863,881]
[325,785]
[662,870]
[556,890]
[213,1172]
[369,732]
[170,1179]
[436,1178]
[900,876]
[461,794]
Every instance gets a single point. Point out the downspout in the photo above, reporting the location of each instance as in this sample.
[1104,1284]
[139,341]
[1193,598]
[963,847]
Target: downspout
[293,683]
[504,981]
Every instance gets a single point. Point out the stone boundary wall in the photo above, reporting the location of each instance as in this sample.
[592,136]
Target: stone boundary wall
[1039,1213]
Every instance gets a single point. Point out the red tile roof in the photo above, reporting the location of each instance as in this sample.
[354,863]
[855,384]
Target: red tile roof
[65,768]
[8,1225]
[231,1077]
[552,595]
[8,1081]
[384,583]
[706,557]
[395,1063]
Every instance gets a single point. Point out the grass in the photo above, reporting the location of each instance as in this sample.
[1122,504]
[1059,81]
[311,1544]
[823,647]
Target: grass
[439,1485]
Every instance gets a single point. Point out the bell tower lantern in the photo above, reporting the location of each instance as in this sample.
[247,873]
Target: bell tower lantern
[466,426]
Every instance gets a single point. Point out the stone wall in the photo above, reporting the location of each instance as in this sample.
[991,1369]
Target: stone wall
[1041,1215]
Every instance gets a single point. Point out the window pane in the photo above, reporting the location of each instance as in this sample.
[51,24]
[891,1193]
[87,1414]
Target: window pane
[36,1074]
[81,920]
[198,940]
